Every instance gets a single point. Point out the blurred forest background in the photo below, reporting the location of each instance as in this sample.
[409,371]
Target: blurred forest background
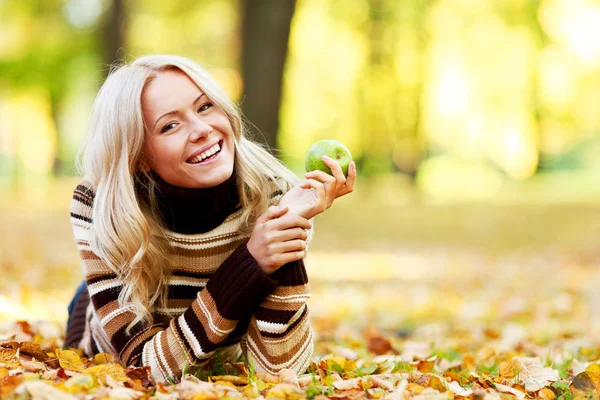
[475,126]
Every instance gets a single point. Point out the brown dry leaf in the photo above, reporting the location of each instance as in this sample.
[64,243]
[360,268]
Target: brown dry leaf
[69,360]
[113,370]
[9,358]
[376,343]
[141,374]
[33,350]
[585,384]
[426,366]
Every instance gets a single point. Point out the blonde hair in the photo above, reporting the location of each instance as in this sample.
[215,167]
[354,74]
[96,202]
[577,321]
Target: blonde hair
[126,234]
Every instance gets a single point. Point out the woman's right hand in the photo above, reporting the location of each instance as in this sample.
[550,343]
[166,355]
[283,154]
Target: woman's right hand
[278,238]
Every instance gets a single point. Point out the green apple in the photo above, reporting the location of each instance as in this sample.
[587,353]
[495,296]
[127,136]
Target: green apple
[331,148]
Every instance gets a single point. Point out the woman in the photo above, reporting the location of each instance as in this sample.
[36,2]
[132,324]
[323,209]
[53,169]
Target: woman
[191,236]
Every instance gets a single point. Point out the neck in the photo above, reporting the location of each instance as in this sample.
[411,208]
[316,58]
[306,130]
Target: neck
[190,211]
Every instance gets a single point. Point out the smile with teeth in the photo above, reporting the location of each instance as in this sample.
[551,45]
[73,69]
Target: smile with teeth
[208,154]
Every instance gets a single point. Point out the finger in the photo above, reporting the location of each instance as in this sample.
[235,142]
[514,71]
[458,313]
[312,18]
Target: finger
[350,180]
[291,245]
[305,185]
[291,221]
[292,256]
[336,169]
[272,212]
[291,234]
[320,176]
[319,188]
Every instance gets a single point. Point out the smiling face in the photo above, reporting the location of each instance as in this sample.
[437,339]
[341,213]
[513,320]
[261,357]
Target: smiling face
[189,140]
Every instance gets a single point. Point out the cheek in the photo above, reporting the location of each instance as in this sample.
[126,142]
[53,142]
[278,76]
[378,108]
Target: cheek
[159,151]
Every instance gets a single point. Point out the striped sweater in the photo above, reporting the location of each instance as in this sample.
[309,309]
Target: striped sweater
[220,306]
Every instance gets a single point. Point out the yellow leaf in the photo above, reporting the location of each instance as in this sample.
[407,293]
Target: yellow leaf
[69,360]
[436,383]
[286,391]
[546,394]
[594,368]
[509,369]
[113,370]
[251,391]
[204,396]
[236,380]
[103,358]
[225,383]
[81,384]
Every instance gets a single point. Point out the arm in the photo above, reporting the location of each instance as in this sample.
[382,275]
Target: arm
[279,335]
[236,289]
[319,189]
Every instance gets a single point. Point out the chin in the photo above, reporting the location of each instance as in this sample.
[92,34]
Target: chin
[214,178]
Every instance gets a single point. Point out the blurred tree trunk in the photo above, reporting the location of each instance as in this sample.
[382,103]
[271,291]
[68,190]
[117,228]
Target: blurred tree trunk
[113,32]
[265,33]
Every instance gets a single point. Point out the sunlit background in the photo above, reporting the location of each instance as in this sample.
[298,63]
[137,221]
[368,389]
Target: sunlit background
[475,127]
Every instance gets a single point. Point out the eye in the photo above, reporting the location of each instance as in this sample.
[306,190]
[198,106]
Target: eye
[168,127]
[205,107]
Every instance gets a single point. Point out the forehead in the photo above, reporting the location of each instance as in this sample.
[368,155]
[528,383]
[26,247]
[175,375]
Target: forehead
[169,91]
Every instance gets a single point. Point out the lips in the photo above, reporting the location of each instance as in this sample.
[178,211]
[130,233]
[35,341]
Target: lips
[204,153]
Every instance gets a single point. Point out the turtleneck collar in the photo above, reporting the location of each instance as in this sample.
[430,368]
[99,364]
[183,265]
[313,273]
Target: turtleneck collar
[190,211]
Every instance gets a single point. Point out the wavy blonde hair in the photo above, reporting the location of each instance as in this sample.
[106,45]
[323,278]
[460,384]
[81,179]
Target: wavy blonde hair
[126,233]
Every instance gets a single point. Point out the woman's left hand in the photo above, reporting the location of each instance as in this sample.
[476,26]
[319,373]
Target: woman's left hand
[319,189]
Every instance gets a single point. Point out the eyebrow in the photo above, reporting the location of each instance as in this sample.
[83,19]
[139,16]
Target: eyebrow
[176,111]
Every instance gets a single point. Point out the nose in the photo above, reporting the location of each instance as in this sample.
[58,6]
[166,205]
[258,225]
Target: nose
[200,130]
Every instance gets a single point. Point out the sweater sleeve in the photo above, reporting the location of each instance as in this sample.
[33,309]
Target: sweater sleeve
[233,292]
[280,335]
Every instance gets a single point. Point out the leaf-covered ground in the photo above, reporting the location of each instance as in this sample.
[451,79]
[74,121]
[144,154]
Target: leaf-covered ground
[434,362]
[443,302]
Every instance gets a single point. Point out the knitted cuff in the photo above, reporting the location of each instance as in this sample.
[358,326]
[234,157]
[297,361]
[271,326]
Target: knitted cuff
[291,274]
[239,285]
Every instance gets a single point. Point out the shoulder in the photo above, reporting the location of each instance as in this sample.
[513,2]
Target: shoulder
[83,200]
